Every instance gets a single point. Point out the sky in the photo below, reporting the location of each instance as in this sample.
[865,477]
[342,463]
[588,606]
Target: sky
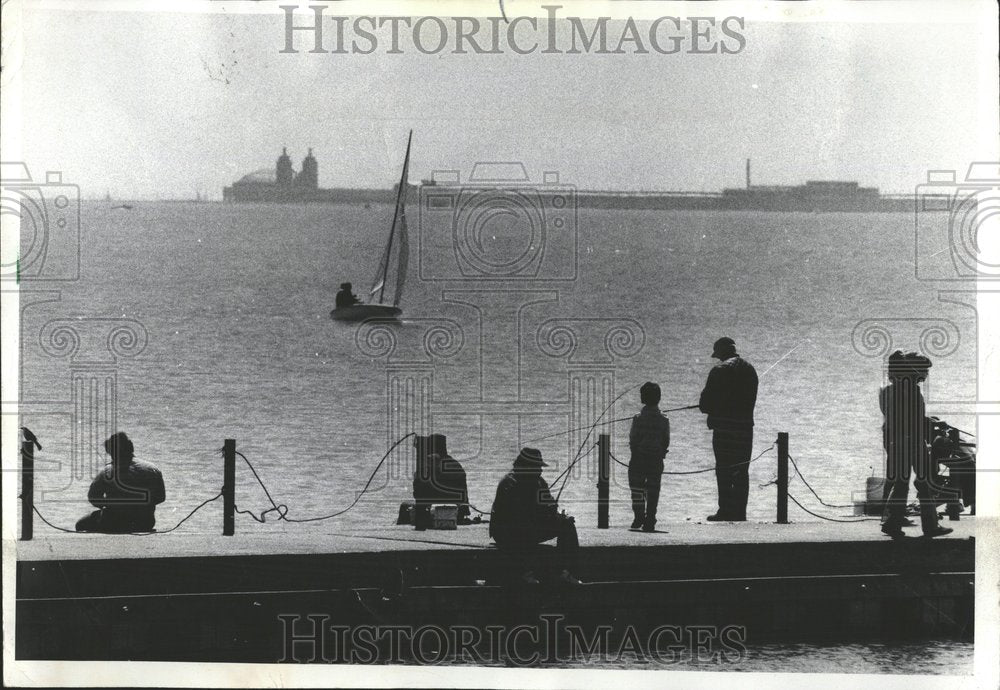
[145,104]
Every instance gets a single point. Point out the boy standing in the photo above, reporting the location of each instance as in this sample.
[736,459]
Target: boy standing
[648,439]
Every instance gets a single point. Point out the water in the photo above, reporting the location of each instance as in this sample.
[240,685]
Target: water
[950,658]
[235,300]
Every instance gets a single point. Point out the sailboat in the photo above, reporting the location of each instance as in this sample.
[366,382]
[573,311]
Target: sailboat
[396,254]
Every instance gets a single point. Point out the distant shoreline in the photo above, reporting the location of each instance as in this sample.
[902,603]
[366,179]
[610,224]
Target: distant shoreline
[767,199]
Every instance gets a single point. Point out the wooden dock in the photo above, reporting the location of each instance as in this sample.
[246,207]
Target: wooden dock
[211,598]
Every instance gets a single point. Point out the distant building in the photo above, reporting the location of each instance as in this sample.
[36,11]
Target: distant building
[284,185]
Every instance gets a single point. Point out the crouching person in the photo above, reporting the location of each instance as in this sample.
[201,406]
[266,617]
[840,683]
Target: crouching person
[125,493]
[438,478]
[525,515]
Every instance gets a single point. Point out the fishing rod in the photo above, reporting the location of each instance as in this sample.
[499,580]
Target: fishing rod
[587,437]
[610,421]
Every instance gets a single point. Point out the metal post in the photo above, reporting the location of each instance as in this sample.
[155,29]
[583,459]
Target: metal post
[27,489]
[229,487]
[782,478]
[603,479]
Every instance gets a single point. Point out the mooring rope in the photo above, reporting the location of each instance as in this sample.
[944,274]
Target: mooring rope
[823,517]
[808,486]
[135,534]
[282,509]
[707,469]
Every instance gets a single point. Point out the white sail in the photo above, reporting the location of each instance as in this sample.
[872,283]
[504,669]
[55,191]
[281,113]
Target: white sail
[404,258]
[398,226]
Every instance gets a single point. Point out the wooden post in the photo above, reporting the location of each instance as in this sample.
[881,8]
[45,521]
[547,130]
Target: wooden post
[229,487]
[603,479]
[783,478]
[27,489]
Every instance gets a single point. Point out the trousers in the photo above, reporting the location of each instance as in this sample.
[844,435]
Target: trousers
[732,449]
[644,483]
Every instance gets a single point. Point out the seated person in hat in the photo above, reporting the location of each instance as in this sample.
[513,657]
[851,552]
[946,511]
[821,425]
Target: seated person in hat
[525,514]
[438,478]
[346,298]
[126,492]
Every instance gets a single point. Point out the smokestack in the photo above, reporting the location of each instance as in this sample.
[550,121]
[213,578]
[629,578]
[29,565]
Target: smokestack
[748,173]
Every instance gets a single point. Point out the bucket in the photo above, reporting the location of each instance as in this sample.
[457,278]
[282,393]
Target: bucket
[874,492]
[444,517]
[405,513]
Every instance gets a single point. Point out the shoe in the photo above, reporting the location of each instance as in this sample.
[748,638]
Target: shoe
[907,522]
[649,526]
[568,578]
[893,530]
[718,517]
[938,532]
[637,523]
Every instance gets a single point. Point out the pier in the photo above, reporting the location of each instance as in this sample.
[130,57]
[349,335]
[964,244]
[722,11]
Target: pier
[249,598]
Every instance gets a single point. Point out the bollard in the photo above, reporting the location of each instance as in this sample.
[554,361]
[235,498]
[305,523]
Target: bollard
[27,485]
[229,487]
[603,479]
[782,478]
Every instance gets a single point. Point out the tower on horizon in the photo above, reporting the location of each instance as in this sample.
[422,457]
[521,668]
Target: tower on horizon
[748,173]
[284,173]
[309,177]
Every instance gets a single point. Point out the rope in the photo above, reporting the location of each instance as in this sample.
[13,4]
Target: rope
[808,486]
[135,534]
[282,509]
[707,469]
[823,517]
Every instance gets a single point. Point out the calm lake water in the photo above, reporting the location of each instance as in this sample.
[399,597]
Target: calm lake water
[235,300]
[235,304]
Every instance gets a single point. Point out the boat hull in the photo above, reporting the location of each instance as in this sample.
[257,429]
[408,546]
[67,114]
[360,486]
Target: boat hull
[360,312]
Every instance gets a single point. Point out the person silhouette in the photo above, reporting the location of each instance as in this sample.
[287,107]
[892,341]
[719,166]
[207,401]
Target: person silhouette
[648,441]
[126,492]
[728,399]
[525,514]
[346,298]
[907,433]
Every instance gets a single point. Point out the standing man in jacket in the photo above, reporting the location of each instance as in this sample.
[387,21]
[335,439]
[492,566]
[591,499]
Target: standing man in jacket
[907,431]
[728,399]
[648,439]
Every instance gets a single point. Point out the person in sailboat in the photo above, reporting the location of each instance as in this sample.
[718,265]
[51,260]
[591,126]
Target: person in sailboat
[346,297]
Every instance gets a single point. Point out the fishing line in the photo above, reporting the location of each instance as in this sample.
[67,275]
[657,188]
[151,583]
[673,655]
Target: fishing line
[587,437]
[610,421]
